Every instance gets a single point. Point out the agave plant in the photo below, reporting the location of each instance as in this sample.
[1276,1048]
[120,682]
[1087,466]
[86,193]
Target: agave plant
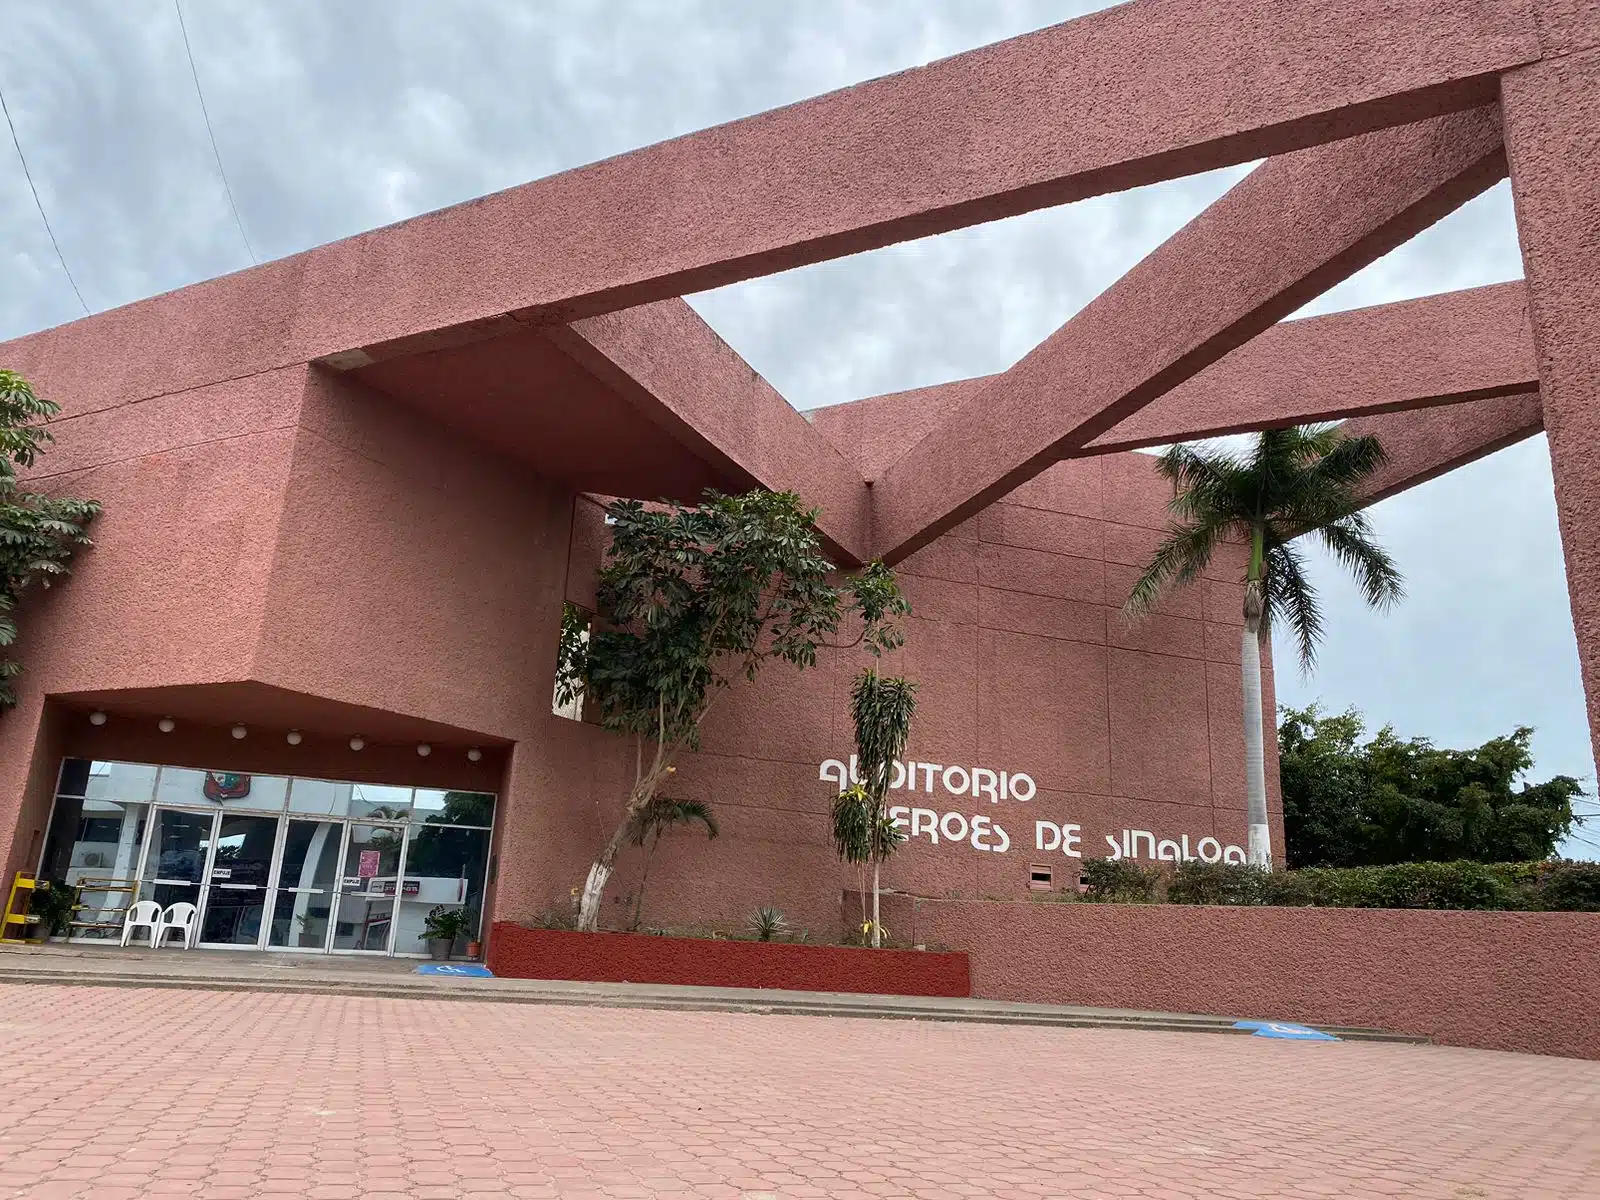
[768,923]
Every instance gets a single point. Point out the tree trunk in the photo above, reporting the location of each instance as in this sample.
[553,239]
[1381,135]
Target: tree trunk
[644,874]
[1255,771]
[875,929]
[594,887]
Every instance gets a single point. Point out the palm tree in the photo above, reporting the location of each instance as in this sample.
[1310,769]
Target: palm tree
[1304,481]
[658,815]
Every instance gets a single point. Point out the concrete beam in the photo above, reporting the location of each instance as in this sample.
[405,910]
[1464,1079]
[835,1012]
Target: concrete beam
[1425,444]
[685,379]
[1287,232]
[1446,349]
[1138,93]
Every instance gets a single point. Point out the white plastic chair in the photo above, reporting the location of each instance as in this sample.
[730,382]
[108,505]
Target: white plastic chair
[146,914]
[182,916]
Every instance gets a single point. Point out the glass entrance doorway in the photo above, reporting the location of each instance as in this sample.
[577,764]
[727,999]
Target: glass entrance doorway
[243,848]
[307,874]
[277,863]
[176,850]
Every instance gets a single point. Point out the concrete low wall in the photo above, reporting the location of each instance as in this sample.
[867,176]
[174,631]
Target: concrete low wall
[1500,981]
[516,951]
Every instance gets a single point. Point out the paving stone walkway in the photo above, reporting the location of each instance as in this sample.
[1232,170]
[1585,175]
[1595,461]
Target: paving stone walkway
[125,1093]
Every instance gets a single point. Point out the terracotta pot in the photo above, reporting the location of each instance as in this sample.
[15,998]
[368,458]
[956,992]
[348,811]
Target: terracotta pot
[474,949]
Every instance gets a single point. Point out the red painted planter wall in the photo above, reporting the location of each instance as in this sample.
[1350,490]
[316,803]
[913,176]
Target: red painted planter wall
[516,951]
[1494,980]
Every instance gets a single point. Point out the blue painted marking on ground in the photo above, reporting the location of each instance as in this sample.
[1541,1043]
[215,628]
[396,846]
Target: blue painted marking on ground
[459,970]
[1278,1029]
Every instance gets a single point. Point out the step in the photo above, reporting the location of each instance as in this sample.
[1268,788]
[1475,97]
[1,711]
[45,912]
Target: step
[665,998]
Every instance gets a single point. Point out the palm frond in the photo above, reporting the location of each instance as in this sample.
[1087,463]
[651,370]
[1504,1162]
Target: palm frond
[661,813]
[1350,541]
[1290,598]
[1204,480]
[1349,462]
[1183,554]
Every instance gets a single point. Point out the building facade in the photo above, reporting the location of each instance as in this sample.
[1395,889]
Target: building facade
[347,493]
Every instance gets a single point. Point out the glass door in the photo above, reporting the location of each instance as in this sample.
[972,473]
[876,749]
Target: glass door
[368,888]
[308,873]
[236,889]
[176,849]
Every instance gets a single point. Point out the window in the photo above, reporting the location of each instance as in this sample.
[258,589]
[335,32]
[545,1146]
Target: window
[571,656]
[1040,878]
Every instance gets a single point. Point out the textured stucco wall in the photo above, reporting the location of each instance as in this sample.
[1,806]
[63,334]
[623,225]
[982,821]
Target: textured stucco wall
[1499,981]
[1024,663]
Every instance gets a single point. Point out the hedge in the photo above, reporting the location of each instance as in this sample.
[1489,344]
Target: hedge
[1552,886]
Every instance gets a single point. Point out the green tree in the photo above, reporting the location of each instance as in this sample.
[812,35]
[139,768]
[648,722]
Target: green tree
[692,598]
[1294,483]
[1349,803]
[653,820]
[38,534]
[881,709]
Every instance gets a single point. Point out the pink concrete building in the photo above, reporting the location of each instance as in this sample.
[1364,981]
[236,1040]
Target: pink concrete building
[304,678]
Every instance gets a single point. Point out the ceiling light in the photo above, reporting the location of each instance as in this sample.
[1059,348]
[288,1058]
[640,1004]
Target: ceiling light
[166,724]
[423,750]
[97,717]
[356,743]
[292,737]
[474,754]
[239,733]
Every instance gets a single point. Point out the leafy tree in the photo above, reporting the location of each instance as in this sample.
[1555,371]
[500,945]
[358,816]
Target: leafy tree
[1349,803]
[38,534]
[1294,483]
[660,814]
[692,598]
[881,709]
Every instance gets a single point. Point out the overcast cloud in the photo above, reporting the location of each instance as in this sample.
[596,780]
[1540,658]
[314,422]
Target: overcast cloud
[334,118]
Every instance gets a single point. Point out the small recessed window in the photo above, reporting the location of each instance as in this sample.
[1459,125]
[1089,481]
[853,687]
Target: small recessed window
[571,662]
[1040,877]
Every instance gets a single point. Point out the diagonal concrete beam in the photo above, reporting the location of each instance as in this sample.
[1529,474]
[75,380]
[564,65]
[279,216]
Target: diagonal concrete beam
[1131,95]
[1425,444]
[1445,349]
[1141,92]
[1287,232]
[686,380]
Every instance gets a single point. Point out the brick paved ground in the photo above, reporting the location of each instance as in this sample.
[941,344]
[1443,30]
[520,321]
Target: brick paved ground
[213,1095]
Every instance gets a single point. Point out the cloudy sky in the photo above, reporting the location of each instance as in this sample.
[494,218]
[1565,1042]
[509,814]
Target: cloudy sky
[332,118]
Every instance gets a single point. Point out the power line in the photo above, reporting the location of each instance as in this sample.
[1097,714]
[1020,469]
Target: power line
[39,204]
[217,154]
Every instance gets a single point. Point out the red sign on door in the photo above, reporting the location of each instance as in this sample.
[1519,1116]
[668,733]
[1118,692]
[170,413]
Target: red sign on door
[369,864]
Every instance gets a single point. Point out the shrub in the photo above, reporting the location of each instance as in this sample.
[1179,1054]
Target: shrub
[1217,883]
[1531,886]
[1120,881]
[1568,886]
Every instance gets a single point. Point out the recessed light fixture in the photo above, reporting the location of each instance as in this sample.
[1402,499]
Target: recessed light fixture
[474,754]
[292,737]
[97,717]
[239,733]
[166,724]
[356,743]
[423,750]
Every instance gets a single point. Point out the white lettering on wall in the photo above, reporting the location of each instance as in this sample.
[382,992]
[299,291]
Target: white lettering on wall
[985,834]
[981,783]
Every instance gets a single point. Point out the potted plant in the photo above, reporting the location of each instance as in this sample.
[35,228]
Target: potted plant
[54,904]
[441,928]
